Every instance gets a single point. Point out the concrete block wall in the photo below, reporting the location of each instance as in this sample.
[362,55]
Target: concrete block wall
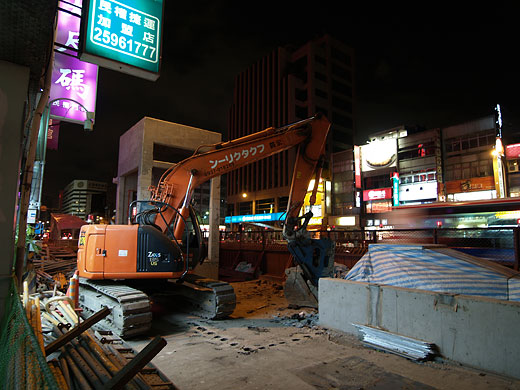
[477,332]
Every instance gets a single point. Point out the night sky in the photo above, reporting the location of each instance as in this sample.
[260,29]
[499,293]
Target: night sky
[426,66]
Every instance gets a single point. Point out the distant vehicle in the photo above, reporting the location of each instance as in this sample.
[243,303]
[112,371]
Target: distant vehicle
[504,212]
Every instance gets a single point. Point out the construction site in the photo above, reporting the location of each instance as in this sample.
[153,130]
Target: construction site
[158,303]
[285,281]
[429,340]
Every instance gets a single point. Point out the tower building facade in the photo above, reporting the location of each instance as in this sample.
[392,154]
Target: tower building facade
[288,85]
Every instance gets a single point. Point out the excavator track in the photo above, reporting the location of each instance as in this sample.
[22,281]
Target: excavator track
[130,308]
[208,298]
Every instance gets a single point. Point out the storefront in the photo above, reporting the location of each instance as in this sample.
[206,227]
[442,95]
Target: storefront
[476,188]
[377,201]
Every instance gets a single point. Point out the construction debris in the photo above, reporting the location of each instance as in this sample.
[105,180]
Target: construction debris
[400,345]
[81,358]
[54,265]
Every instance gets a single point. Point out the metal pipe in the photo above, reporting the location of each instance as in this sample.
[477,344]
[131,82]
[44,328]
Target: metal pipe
[84,367]
[94,364]
[96,349]
[65,370]
[77,374]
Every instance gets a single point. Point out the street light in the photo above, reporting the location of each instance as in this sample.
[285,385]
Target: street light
[39,163]
[88,124]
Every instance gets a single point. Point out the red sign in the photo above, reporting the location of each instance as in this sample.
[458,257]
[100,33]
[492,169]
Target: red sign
[380,193]
[357,166]
[52,134]
[513,151]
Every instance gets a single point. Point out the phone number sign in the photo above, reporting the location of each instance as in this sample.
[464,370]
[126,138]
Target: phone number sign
[124,35]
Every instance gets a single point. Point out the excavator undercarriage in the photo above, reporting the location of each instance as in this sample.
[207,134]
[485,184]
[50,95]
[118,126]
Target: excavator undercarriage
[131,301]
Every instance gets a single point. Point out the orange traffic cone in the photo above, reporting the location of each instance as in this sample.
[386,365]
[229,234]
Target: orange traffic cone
[72,291]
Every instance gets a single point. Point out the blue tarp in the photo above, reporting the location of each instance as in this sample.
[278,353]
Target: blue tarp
[436,269]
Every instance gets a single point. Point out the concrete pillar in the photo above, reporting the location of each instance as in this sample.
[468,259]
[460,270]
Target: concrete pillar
[144,174]
[210,267]
[14,82]
[120,200]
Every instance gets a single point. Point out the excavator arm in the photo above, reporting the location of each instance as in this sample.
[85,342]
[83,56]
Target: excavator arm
[314,257]
[177,184]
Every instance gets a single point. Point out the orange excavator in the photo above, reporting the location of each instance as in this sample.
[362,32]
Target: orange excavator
[122,266]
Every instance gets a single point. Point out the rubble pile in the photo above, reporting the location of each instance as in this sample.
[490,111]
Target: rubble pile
[299,320]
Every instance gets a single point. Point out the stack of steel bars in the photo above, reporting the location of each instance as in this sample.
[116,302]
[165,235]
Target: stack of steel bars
[76,357]
[54,265]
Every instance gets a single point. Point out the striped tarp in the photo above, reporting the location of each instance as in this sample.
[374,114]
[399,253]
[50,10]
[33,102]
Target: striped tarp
[435,268]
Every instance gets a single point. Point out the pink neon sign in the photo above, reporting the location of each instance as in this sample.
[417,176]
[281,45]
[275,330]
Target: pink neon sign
[74,82]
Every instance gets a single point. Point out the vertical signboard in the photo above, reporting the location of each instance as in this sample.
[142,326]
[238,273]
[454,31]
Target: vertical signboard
[124,35]
[499,169]
[357,166]
[73,81]
[395,189]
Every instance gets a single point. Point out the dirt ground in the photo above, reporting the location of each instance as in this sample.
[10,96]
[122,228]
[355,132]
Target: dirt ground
[267,345]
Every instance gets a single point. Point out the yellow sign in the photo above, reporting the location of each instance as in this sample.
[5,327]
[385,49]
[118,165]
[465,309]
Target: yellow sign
[508,214]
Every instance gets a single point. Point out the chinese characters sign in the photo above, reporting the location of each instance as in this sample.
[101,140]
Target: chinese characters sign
[124,32]
[380,193]
[73,81]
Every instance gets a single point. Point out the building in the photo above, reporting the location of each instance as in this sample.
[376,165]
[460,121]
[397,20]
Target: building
[283,87]
[379,168]
[409,166]
[147,150]
[512,154]
[419,163]
[83,198]
[468,161]
[346,187]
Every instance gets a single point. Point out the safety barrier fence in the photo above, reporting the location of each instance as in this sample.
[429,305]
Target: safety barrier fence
[500,244]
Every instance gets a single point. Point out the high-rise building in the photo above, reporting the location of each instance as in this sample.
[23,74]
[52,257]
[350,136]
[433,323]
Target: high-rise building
[283,87]
[84,197]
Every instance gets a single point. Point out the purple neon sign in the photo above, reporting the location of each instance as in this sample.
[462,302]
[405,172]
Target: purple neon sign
[73,81]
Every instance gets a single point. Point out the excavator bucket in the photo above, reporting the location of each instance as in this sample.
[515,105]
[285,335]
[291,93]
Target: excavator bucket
[314,259]
[297,290]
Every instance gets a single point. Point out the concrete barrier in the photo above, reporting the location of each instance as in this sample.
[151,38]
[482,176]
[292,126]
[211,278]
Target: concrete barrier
[479,332]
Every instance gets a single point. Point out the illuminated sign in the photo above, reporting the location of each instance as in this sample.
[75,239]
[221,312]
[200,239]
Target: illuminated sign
[418,191]
[508,214]
[67,31]
[357,165]
[395,188]
[378,154]
[73,81]
[346,221]
[381,193]
[256,218]
[513,151]
[315,221]
[124,35]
